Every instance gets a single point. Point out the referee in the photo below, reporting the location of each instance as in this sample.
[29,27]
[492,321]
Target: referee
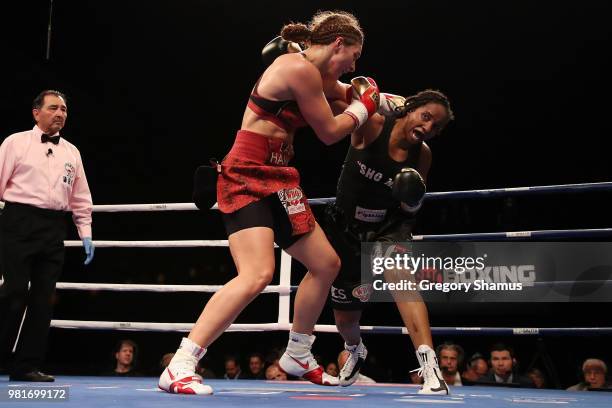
[41,178]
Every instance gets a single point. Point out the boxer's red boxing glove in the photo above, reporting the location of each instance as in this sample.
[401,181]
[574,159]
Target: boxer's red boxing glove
[366,100]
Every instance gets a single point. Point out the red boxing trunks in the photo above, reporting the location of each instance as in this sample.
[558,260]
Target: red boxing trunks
[256,167]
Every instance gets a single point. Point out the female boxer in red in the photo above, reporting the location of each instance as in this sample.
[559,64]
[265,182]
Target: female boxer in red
[262,202]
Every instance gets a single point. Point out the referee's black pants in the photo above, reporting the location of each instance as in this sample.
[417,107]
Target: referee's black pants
[31,251]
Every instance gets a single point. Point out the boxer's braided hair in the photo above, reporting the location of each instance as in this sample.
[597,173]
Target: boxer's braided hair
[324,28]
[423,98]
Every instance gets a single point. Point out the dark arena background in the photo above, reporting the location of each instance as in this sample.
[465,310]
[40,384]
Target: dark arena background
[156,87]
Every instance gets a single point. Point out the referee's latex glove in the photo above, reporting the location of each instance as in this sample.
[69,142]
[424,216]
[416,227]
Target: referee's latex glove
[90,248]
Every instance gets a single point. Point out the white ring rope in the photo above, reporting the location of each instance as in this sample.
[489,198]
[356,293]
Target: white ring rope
[146,207]
[159,327]
[591,232]
[559,188]
[131,287]
[153,244]
[284,288]
[280,289]
[327,328]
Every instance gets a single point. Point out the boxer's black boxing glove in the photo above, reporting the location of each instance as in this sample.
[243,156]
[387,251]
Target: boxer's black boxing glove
[277,47]
[205,185]
[409,189]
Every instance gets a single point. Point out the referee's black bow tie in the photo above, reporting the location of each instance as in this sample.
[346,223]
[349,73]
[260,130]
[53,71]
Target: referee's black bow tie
[46,138]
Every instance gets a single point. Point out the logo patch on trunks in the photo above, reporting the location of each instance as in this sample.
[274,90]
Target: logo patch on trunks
[368,215]
[292,200]
[363,292]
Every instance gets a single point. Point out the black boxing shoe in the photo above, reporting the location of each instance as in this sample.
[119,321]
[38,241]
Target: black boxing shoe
[32,376]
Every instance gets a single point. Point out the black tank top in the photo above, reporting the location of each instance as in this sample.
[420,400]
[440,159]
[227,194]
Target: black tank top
[364,187]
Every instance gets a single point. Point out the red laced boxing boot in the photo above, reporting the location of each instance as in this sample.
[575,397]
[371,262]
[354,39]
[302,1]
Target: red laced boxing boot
[180,377]
[299,361]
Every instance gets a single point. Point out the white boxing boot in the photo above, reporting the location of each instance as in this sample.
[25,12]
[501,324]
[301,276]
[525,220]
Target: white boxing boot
[349,372]
[180,377]
[433,382]
[299,361]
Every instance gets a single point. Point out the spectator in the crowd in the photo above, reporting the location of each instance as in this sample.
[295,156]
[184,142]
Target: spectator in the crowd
[538,378]
[125,355]
[232,369]
[203,371]
[476,367]
[450,357]
[332,369]
[594,373]
[200,369]
[503,370]
[415,378]
[379,369]
[165,360]
[342,357]
[274,373]
[319,360]
[273,356]
[256,367]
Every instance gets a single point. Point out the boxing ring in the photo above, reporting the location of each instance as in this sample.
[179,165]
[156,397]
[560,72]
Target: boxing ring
[103,392]
[128,392]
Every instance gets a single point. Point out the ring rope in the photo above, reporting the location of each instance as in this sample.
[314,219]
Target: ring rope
[493,192]
[153,244]
[130,287]
[156,327]
[503,192]
[146,207]
[323,328]
[280,289]
[485,236]
[284,288]
[546,234]
[514,191]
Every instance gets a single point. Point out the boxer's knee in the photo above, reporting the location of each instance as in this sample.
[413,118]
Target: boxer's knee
[328,266]
[257,280]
